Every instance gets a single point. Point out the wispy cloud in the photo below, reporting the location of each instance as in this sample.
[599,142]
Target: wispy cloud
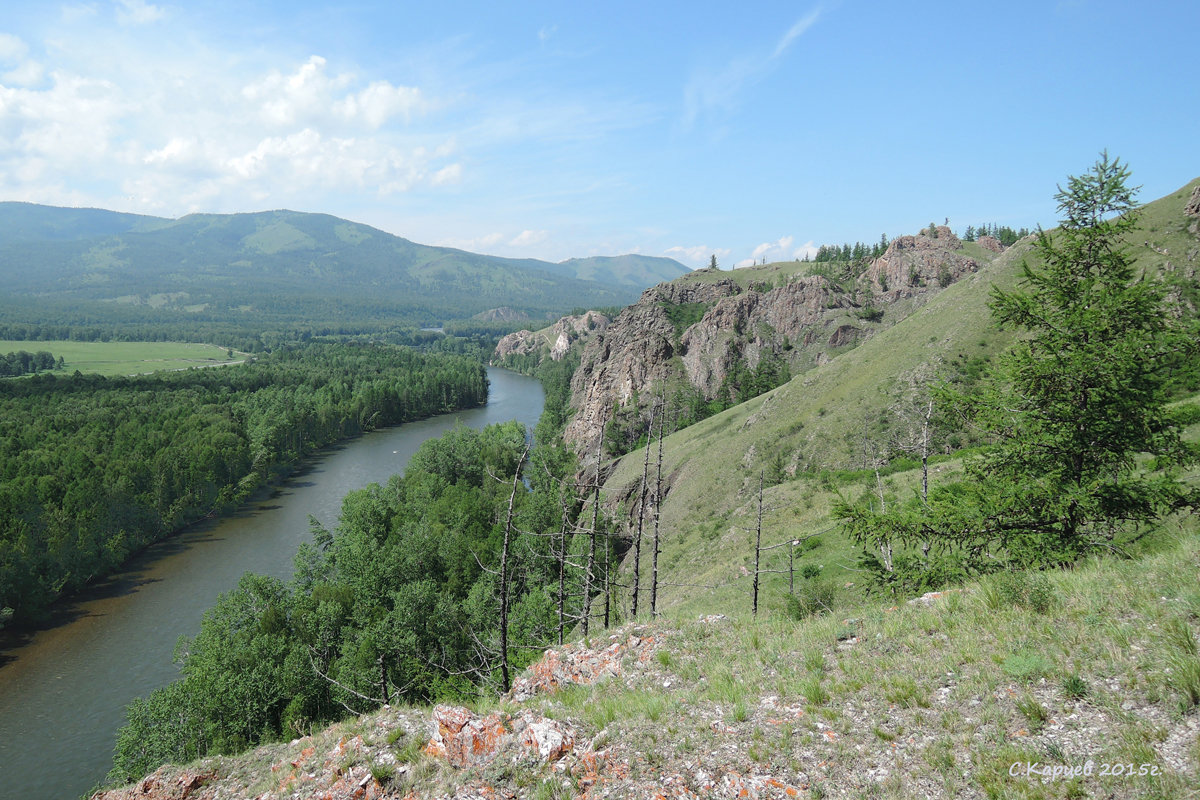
[138,12]
[717,92]
[796,31]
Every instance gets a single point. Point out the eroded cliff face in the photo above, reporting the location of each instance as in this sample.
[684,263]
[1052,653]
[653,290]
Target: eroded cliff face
[803,323]
[636,351]
[809,314]
[555,341]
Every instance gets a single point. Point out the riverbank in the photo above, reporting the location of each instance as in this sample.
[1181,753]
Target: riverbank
[63,693]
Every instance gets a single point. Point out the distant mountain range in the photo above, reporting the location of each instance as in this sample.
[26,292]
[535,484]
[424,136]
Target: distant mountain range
[278,269]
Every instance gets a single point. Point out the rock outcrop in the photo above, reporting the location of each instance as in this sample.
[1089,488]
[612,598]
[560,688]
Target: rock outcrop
[501,314]
[990,243]
[555,341]
[466,739]
[1192,208]
[363,762]
[913,263]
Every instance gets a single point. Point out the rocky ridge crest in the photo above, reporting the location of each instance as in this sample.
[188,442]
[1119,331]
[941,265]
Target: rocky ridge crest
[804,322]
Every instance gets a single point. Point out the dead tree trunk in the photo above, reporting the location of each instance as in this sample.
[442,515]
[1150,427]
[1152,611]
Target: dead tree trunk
[591,562]
[758,541]
[657,516]
[792,568]
[504,572]
[562,574]
[607,582]
[637,541]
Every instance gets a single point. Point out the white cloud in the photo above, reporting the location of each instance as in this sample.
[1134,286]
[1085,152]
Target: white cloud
[745,262]
[379,102]
[447,175]
[780,250]
[546,32]
[138,12]
[28,73]
[145,135]
[310,94]
[475,244]
[79,12]
[12,49]
[529,238]
[772,247]
[71,122]
[806,250]
[305,93]
[697,255]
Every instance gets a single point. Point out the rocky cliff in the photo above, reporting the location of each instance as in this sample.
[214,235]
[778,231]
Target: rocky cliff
[696,333]
[553,342]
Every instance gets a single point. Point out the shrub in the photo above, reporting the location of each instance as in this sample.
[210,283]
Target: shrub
[815,597]
[1024,589]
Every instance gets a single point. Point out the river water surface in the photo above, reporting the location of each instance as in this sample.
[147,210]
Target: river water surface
[63,693]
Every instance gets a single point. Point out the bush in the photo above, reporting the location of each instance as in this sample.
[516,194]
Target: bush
[815,597]
[1026,589]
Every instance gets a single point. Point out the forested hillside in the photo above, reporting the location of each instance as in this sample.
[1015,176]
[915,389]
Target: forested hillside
[92,469]
[438,586]
[241,278]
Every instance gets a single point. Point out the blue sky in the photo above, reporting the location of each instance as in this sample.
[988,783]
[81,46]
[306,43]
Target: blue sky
[553,130]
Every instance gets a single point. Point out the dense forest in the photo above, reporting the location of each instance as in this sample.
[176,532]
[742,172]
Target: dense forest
[431,587]
[92,469]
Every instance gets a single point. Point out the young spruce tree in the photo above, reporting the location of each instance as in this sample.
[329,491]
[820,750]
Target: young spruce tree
[1073,411]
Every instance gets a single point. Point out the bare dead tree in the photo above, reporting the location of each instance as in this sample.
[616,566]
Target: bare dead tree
[508,527]
[562,572]
[607,582]
[657,514]
[591,562]
[637,540]
[758,540]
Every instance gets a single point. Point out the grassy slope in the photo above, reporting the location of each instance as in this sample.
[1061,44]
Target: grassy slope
[817,420]
[939,700]
[919,700]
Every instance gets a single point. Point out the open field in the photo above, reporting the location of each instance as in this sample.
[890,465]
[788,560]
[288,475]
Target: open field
[128,358]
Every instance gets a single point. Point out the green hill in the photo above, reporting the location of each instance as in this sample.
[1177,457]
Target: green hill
[274,270]
[629,270]
[815,431]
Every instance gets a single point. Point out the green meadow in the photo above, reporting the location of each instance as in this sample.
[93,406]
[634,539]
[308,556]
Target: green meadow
[128,358]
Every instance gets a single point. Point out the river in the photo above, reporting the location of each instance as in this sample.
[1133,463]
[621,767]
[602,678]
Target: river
[63,693]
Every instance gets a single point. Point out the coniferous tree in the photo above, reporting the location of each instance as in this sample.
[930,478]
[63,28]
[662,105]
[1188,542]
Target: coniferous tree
[1074,405]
